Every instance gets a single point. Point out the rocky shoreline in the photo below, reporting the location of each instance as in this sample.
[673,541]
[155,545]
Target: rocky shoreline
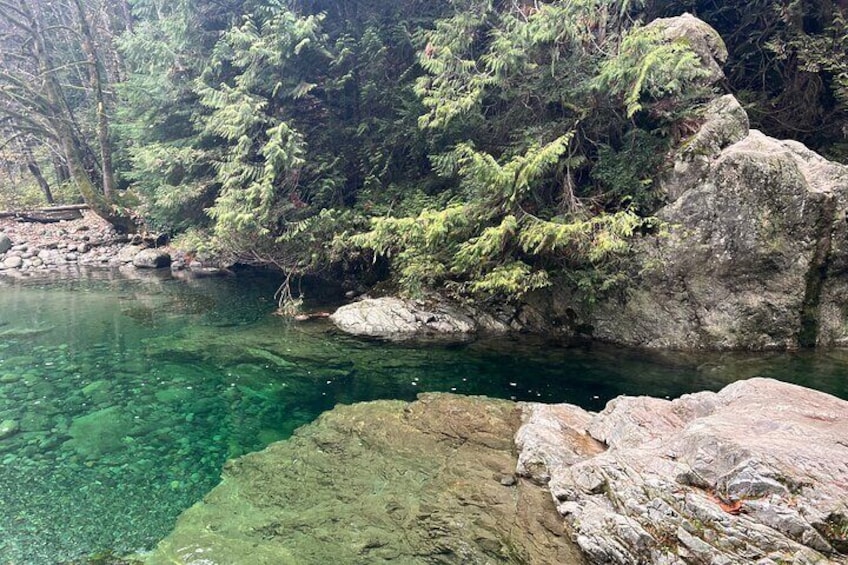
[756,473]
[31,248]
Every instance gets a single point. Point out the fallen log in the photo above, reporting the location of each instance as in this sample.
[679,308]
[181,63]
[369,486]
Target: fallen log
[47,215]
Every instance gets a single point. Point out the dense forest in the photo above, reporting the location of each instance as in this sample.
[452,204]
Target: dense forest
[476,146]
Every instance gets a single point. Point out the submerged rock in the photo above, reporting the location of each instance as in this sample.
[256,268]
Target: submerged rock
[426,482]
[396,318]
[757,473]
[8,428]
[99,433]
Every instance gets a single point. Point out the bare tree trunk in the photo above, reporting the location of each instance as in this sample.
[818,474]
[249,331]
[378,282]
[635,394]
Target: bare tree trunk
[127,15]
[97,87]
[61,170]
[39,178]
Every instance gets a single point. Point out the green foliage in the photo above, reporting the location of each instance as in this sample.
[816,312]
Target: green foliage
[259,168]
[483,146]
[475,145]
[625,172]
[648,68]
[482,246]
[551,107]
[166,160]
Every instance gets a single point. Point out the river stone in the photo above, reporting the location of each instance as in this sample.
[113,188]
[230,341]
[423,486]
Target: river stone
[5,243]
[387,481]
[13,262]
[755,473]
[8,428]
[126,254]
[151,259]
[399,319]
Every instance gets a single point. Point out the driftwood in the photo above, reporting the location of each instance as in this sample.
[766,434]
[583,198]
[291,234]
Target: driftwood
[47,215]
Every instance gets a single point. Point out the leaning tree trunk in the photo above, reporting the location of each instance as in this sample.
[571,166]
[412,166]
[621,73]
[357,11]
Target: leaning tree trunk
[96,200]
[39,178]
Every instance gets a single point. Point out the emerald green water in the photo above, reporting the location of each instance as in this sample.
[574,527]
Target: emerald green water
[130,394]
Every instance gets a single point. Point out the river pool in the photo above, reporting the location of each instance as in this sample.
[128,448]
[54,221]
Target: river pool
[125,395]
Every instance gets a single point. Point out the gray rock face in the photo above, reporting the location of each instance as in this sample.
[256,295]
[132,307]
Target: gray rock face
[395,318]
[5,243]
[757,473]
[744,262]
[151,259]
[755,256]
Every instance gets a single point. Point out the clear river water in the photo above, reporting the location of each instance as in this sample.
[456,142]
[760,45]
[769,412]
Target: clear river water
[124,396]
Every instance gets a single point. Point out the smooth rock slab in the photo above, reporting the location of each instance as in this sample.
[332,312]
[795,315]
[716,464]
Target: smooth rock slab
[420,483]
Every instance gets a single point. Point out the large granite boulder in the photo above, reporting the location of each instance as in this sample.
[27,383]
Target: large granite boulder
[420,483]
[5,243]
[744,261]
[754,255]
[398,319]
[757,473]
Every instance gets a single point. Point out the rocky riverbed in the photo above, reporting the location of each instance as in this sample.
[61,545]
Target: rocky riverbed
[757,473]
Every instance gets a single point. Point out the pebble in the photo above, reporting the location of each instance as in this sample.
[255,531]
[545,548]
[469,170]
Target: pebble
[508,480]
